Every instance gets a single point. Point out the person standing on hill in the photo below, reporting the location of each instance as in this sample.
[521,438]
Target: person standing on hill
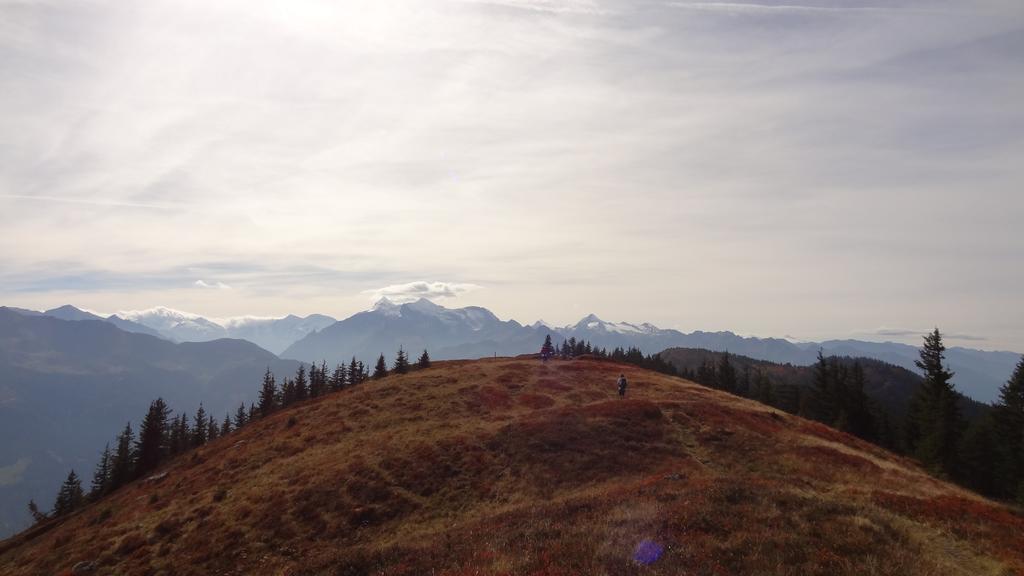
[622,385]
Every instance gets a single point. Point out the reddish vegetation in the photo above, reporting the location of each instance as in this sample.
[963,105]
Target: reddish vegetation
[508,467]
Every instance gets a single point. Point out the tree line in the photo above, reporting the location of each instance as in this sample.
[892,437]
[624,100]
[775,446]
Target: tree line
[162,435]
[572,348]
[985,454]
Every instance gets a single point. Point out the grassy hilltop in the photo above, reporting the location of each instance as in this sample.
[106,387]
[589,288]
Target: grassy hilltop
[512,466]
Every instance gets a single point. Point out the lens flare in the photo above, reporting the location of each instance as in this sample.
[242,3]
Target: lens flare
[647,552]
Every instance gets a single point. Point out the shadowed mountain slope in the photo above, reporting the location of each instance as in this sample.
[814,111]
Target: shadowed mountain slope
[68,387]
[511,466]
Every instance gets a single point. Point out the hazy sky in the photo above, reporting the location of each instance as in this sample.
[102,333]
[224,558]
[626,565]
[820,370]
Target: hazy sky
[802,168]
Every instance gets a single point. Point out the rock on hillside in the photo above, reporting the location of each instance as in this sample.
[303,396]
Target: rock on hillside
[511,466]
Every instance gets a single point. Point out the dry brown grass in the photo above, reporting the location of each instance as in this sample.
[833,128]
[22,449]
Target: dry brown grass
[511,466]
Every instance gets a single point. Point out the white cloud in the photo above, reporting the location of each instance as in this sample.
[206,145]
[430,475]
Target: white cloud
[807,8]
[548,6]
[559,157]
[412,291]
[211,286]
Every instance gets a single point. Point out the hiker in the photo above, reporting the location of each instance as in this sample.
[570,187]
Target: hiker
[622,385]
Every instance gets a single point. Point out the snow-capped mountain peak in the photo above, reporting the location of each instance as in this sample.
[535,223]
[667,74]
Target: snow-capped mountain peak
[387,307]
[424,306]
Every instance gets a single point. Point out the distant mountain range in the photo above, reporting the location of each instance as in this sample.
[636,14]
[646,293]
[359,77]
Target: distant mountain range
[273,334]
[68,387]
[475,332]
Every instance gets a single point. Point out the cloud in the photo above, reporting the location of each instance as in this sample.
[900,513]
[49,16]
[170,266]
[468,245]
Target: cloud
[412,291]
[211,286]
[903,333]
[899,332]
[548,6]
[798,8]
[559,158]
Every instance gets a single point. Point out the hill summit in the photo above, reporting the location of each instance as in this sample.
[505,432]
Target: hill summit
[513,466]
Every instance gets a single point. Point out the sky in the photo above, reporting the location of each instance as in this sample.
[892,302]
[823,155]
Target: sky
[798,168]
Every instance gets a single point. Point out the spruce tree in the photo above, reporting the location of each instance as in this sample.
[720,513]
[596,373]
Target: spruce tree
[315,386]
[381,370]
[401,362]
[322,381]
[122,469]
[935,411]
[199,433]
[70,496]
[225,426]
[1008,429]
[252,413]
[355,372]
[547,349]
[152,443]
[268,396]
[338,378]
[212,430]
[101,477]
[180,437]
[726,374]
[858,405]
[824,392]
[977,452]
[765,393]
[288,394]
[301,384]
[424,361]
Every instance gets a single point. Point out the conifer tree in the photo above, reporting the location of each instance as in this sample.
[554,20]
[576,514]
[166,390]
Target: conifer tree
[765,394]
[314,380]
[547,349]
[70,496]
[212,430]
[225,426]
[355,372]
[180,436]
[1008,429]
[401,362]
[826,410]
[252,412]
[934,410]
[424,361]
[301,384]
[199,433]
[338,378]
[857,405]
[381,370]
[978,452]
[288,394]
[101,476]
[268,395]
[315,388]
[152,443]
[241,417]
[726,374]
[743,387]
[122,469]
